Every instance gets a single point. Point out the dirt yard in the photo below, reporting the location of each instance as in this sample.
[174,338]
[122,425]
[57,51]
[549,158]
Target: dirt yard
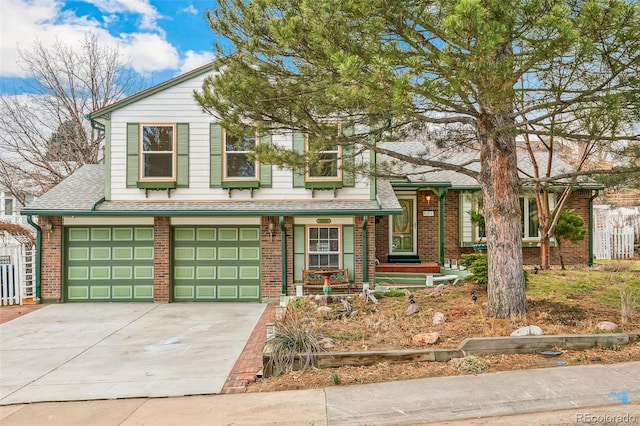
[577,309]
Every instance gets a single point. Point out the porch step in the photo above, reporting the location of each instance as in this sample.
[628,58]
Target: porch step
[401,278]
[403,258]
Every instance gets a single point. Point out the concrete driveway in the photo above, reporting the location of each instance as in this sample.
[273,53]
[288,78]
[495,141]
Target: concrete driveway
[87,351]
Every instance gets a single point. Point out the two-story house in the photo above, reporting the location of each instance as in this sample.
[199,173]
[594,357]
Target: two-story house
[180,212]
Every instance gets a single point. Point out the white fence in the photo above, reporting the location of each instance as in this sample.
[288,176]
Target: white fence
[17,269]
[616,231]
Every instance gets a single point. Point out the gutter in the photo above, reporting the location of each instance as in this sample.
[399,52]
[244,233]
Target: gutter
[441,227]
[283,249]
[591,226]
[38,257]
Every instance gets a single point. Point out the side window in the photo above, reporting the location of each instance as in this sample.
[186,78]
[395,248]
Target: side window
[157,159]
[8,206]
[530,226]
[237,148]
[325,162]
[323,247]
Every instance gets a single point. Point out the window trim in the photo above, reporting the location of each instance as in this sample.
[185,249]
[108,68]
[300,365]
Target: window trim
[174,153]
[308,252]
[226,178]
[338,177]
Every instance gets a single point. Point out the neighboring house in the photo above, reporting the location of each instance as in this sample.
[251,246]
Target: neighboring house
[10,208]
[179,213]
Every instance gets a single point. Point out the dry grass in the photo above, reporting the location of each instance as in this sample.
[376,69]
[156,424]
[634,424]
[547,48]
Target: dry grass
[577,309]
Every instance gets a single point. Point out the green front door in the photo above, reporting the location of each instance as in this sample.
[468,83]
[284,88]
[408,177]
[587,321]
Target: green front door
[108,264]
[402,230]
[216,263]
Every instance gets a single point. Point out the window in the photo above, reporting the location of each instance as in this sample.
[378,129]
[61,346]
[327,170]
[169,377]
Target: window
[8,206]
[325,161]
[237,148]
[158,152]
[323,250]
[530,224]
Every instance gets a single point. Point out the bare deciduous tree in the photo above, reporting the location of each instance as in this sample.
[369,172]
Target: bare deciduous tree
[44,135]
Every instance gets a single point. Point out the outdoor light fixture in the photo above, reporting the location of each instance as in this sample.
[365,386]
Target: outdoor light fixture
[48,227]
[270,227]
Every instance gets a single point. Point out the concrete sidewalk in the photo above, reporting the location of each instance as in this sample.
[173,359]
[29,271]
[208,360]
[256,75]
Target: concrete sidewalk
[604,394]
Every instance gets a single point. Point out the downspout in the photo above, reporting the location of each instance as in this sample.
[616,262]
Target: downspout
[365,276]
[38,260]
[591,226]
[441,226]
[283,249]
[97,203]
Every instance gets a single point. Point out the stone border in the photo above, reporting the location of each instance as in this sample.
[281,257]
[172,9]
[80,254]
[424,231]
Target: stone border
[470,346]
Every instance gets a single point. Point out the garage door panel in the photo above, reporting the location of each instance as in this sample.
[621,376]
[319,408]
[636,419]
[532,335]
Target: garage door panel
[109,263]
[216,263]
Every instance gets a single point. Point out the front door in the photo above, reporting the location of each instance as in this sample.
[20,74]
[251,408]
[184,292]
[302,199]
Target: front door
[402,232]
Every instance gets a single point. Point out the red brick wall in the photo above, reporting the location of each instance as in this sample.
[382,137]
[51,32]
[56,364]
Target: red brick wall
[271,259]
[358,254]
[161,258]
[574,254]
[51,260]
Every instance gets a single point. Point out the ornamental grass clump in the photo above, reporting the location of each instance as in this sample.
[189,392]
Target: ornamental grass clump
[295,344]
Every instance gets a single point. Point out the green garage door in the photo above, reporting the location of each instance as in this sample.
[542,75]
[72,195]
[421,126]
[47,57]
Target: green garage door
[220,263]
[109,264]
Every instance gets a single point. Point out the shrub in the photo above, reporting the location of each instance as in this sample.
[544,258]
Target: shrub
[476,263]
[470,364]
[294,336]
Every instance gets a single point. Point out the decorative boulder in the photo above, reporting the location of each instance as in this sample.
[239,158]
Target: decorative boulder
[426,338]
[413,309]
[607,326]
[440,287]
[530,330]
[438,318]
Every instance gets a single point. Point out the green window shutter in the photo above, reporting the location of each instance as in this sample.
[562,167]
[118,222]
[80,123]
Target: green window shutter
[348,161]
[215,162]
[348,250]
[265,169]
[299,250]
[298,147]
[132,154]
[182,178]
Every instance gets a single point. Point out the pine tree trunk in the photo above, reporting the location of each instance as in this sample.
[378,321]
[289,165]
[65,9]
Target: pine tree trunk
[501,197]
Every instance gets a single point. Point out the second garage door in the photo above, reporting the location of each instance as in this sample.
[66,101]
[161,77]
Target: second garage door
[216,263]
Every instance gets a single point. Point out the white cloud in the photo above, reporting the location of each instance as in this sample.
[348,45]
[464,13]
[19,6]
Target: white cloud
[190,9]
[149,52]
[194,60]
[24,21]
[148,13]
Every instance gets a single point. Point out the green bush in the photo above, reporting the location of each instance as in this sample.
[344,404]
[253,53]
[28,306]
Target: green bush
[476,263]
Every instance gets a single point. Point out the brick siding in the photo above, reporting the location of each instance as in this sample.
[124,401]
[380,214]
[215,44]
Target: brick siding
[161,259]
[51,260]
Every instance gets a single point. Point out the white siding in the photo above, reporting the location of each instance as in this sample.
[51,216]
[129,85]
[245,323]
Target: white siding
[177,105]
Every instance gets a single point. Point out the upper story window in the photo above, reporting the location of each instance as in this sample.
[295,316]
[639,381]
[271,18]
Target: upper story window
[237,149]
[158,151]
[323,247]
[325,164]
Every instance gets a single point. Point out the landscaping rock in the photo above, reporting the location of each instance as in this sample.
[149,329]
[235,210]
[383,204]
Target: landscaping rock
[438,318]
[324,309]
[426,338]
[441,287]
[327,343]
[530,330]
[413,309]
[607,326]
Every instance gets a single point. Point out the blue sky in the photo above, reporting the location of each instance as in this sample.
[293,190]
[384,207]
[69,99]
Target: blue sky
[161,38]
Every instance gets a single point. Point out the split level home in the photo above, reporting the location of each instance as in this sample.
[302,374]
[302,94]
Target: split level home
[179,213]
